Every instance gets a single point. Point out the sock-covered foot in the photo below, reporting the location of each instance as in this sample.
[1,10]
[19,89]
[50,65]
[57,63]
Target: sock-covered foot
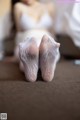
[49,54]
[28,54]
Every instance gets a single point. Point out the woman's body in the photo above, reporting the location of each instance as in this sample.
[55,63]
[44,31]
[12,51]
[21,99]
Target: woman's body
[35,48]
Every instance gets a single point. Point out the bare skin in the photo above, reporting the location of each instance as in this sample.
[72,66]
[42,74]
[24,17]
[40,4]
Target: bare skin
[35,10]
[29,53]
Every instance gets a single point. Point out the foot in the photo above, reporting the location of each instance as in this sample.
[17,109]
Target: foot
[21,66]
[49,54]
[28,54]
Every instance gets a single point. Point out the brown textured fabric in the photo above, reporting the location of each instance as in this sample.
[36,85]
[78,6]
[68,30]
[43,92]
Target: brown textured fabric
[56,100]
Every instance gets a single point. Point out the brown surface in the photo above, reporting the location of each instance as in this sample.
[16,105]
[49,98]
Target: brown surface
[68,48]
[57,100]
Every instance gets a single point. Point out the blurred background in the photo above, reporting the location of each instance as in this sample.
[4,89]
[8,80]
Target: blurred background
[65,27]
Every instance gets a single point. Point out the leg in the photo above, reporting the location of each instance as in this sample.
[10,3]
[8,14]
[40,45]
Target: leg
[49,55]
[28,53]
[16,54]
